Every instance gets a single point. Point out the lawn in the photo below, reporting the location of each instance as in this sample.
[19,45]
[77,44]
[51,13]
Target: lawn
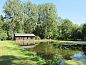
[12,54]
[72,62]
[50,40]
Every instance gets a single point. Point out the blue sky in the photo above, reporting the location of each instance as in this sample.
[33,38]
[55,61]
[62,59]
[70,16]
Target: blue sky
[75,10]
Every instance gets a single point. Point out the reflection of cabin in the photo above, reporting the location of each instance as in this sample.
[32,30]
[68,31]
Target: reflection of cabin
[19,36]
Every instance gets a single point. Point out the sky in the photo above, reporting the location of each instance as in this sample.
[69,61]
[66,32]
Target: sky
[75,10]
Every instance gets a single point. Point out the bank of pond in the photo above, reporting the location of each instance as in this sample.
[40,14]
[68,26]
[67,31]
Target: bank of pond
[62,53]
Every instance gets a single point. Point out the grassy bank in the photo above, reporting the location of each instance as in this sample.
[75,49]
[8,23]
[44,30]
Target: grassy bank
[58,41]
[72,62]
[50,40]
[12,54]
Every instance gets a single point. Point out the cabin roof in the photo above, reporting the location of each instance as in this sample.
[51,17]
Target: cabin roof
[23,34]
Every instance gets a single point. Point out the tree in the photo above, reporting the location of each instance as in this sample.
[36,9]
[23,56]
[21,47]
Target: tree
[3,35]
[7,26]
[30,17]
[76,32]
[39,31]
[59,25]
[47,20]
[13,14]
[66,28]
[1,21]
[84,32]
[42,20]
[50,29]
[13,18]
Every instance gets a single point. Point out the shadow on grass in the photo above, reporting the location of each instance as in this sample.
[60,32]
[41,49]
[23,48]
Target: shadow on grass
[8,60]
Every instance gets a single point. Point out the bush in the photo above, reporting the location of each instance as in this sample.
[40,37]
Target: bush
[3,35]
[39,60]
[56,60]
[37,38]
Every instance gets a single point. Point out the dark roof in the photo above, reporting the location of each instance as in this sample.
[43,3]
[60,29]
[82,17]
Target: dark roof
[23,34]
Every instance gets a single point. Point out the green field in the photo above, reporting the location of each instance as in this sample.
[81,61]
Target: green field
[12,54]
[72,62]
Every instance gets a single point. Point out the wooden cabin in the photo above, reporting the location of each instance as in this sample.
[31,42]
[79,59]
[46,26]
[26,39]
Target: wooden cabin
[19,36]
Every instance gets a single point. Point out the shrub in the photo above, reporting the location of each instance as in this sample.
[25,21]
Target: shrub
[3,35]
[56,60]
[37,38]
[39,60]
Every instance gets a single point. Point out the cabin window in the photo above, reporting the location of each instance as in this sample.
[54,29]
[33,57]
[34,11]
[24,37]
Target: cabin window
[22,38]
[17,38]
[25,38]
[29,38]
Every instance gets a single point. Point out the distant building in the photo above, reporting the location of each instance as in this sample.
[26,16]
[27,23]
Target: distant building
[20,36]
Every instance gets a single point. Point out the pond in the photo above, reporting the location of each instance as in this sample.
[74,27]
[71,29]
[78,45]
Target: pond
[47,49]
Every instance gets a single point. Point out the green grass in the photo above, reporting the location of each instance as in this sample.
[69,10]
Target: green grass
[50,40]
[12,54]
[59,41]
[72,62]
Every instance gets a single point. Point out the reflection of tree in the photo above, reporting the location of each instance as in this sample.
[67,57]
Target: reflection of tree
[67,51]
[84,52]
[45,50]
[84,49]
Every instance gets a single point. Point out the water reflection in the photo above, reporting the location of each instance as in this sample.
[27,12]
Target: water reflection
[47,49]
[79,56]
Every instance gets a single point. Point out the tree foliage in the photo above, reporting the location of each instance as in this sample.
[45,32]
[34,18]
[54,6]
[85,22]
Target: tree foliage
[3,35]
[84,32]
[42,20]
[66,28]
[47,21]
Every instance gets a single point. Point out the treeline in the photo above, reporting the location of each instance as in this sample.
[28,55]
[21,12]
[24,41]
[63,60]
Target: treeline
[42,20]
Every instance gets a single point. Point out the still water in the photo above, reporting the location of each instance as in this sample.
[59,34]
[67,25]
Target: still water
[47,49]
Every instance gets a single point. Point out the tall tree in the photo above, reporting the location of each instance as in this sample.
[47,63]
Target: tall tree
[60,21]
[13,14]
[76,32]
[66,27]
[13,17]
[84,31]
[47,20]
[31,17]
[3,35]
